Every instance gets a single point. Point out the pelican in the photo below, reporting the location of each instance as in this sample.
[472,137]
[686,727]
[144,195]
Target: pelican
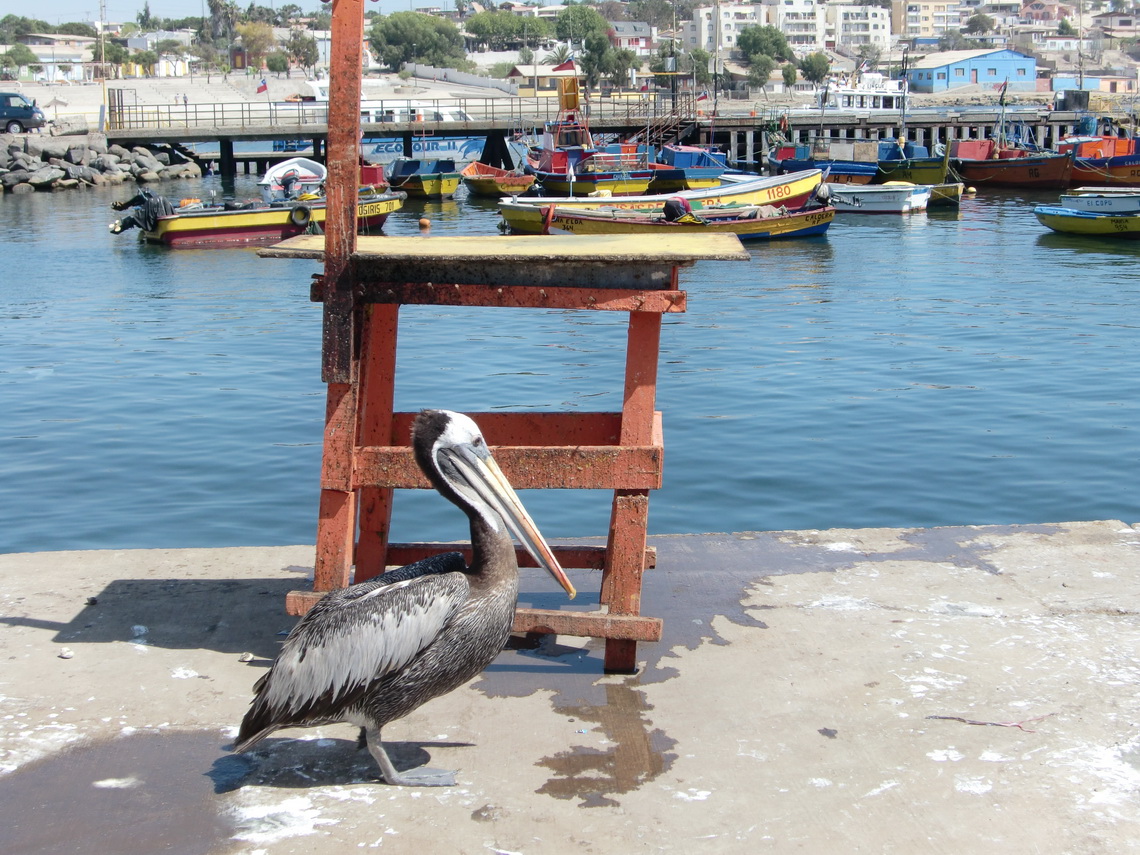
[373,652]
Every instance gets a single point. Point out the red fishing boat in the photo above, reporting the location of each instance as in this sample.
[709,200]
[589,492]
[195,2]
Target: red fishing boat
[990,163]
[1104,159]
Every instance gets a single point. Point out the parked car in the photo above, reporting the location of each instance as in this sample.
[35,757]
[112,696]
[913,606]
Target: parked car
[18,114]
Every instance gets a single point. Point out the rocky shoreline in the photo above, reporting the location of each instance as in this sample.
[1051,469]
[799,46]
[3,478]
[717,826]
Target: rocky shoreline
[38,162]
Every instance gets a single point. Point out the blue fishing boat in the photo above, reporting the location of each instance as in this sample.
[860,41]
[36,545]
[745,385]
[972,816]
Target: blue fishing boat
[687,167]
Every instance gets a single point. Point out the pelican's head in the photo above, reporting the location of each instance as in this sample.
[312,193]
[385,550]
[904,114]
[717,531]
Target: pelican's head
[451,451]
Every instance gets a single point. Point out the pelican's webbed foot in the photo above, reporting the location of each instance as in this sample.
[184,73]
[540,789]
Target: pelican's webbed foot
[421,777]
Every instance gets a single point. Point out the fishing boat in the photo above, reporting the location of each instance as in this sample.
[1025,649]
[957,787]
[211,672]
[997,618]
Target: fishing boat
[987,162]
[1103,158]
[568,162]
[1104,200]
[791,191]
[1091,223]
[687,167]
[292,202]
[424,179]
[748,222]
[895,197]
[909,161]
[493,182]
[864,91]
[195,224]
[947,195]
[847,161]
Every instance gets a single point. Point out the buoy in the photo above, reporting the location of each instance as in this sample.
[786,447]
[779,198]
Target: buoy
[971,190]
[425,223]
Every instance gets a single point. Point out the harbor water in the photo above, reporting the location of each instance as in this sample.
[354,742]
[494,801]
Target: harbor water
[953,367]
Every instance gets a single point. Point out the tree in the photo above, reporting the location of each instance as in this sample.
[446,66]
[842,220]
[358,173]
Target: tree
[696,62]
[223,21]
[954,40]
[613,10]
[575,23]
[21,56]
[166,47]
[258,39]
[815,67]
[147,59]
[287,13]
[146,20]
[620,62]
[761,68]
[594,61]
[768,41]
[302,49]
[403,37]
[76,29]
[557,56]
[978,25]
[497,30]
[277,62]
[791,75]
[1066,29]
[526,56]
[656,13]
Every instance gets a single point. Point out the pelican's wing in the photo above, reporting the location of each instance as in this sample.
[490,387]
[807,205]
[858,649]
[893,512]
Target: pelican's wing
[356,636]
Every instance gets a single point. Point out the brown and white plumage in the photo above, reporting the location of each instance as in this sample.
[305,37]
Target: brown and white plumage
[373,652]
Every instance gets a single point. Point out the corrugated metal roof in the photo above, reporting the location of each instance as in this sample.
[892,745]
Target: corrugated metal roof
[937,60]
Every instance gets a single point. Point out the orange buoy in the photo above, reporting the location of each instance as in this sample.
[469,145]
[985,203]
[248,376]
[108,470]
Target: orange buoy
[425,223]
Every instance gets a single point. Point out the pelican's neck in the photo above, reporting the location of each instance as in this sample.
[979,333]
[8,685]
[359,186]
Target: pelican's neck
[493,560]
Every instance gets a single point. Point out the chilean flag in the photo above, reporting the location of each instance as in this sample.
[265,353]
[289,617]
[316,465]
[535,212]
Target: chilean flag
[262,87]
[568,65]
[704,96]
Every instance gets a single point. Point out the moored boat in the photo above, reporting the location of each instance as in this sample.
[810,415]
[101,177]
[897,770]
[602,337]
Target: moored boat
[1103,158]
[204,226]
[1093,224]
[987,162]
[687,167]
[946,195]
[1102,200]
[749,222]
[911,162]
[493,182]
[425,179]
[791,191]
[847,161]
[895,197]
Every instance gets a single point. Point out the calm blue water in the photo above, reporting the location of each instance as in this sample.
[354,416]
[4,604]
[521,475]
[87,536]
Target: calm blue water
[939,369]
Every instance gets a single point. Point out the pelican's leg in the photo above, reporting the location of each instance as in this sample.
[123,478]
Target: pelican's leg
[421,777]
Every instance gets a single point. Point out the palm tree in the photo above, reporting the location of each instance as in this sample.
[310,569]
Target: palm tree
[557,56]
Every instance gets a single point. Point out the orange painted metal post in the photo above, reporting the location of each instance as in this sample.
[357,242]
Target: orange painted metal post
[336,526]
[629,517]
[377,392]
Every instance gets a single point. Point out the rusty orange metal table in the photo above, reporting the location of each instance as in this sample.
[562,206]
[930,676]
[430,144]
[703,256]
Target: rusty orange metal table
[367,453]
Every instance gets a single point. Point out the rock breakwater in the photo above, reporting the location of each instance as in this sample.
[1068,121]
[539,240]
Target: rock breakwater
[31,162]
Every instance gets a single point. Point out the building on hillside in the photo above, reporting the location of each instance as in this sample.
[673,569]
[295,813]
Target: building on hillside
[854,26]
[803,23]
[712,33]
[1047,10]
[940,72]
[633,36]
[929,19]
[1097,82]
[1117,25]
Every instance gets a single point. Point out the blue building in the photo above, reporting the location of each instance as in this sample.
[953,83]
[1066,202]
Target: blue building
[988,68]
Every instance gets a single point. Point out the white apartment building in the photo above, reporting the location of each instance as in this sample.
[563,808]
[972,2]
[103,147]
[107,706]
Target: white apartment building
[853,26]
[803,23]
[716,28]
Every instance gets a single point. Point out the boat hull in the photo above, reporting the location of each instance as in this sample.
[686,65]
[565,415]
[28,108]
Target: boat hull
[791,191]
[1043,172]
[1073,222]
[615,183]
[839,171]
[879,199]
[260,225]
[1103,203]
[543,219]
[1117,171]
[491,182]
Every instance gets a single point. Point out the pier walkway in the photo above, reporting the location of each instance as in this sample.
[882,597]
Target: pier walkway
[953,689]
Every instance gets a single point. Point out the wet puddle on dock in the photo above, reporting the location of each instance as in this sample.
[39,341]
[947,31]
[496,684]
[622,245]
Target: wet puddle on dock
[139,794]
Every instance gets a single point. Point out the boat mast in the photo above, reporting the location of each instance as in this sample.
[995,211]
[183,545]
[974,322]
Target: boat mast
[902,102]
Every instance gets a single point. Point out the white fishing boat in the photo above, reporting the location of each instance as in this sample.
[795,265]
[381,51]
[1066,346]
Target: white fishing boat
[870,91]
[895,197]
[1103,200]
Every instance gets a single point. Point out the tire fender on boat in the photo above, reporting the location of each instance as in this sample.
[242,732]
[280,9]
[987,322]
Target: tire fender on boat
[300,215]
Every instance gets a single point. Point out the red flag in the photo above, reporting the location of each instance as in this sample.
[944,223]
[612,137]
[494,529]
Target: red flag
[645,86]
[568,65]
[262,87]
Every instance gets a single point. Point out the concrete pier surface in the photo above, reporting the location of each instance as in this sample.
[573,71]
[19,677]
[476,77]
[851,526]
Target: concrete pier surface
[969,689]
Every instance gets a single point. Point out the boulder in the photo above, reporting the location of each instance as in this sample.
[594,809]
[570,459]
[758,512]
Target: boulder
[16,176]
[148,177]
[65,184]
[81,173]
[7,140]
[77,154]
[97,143]
[45,176]
[163,157]
[105,162]
[23,188]
[43,147]
[143,150]
[5,159]
[119,152]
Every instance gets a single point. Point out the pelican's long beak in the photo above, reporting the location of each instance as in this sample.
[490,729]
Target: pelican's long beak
[487,479]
